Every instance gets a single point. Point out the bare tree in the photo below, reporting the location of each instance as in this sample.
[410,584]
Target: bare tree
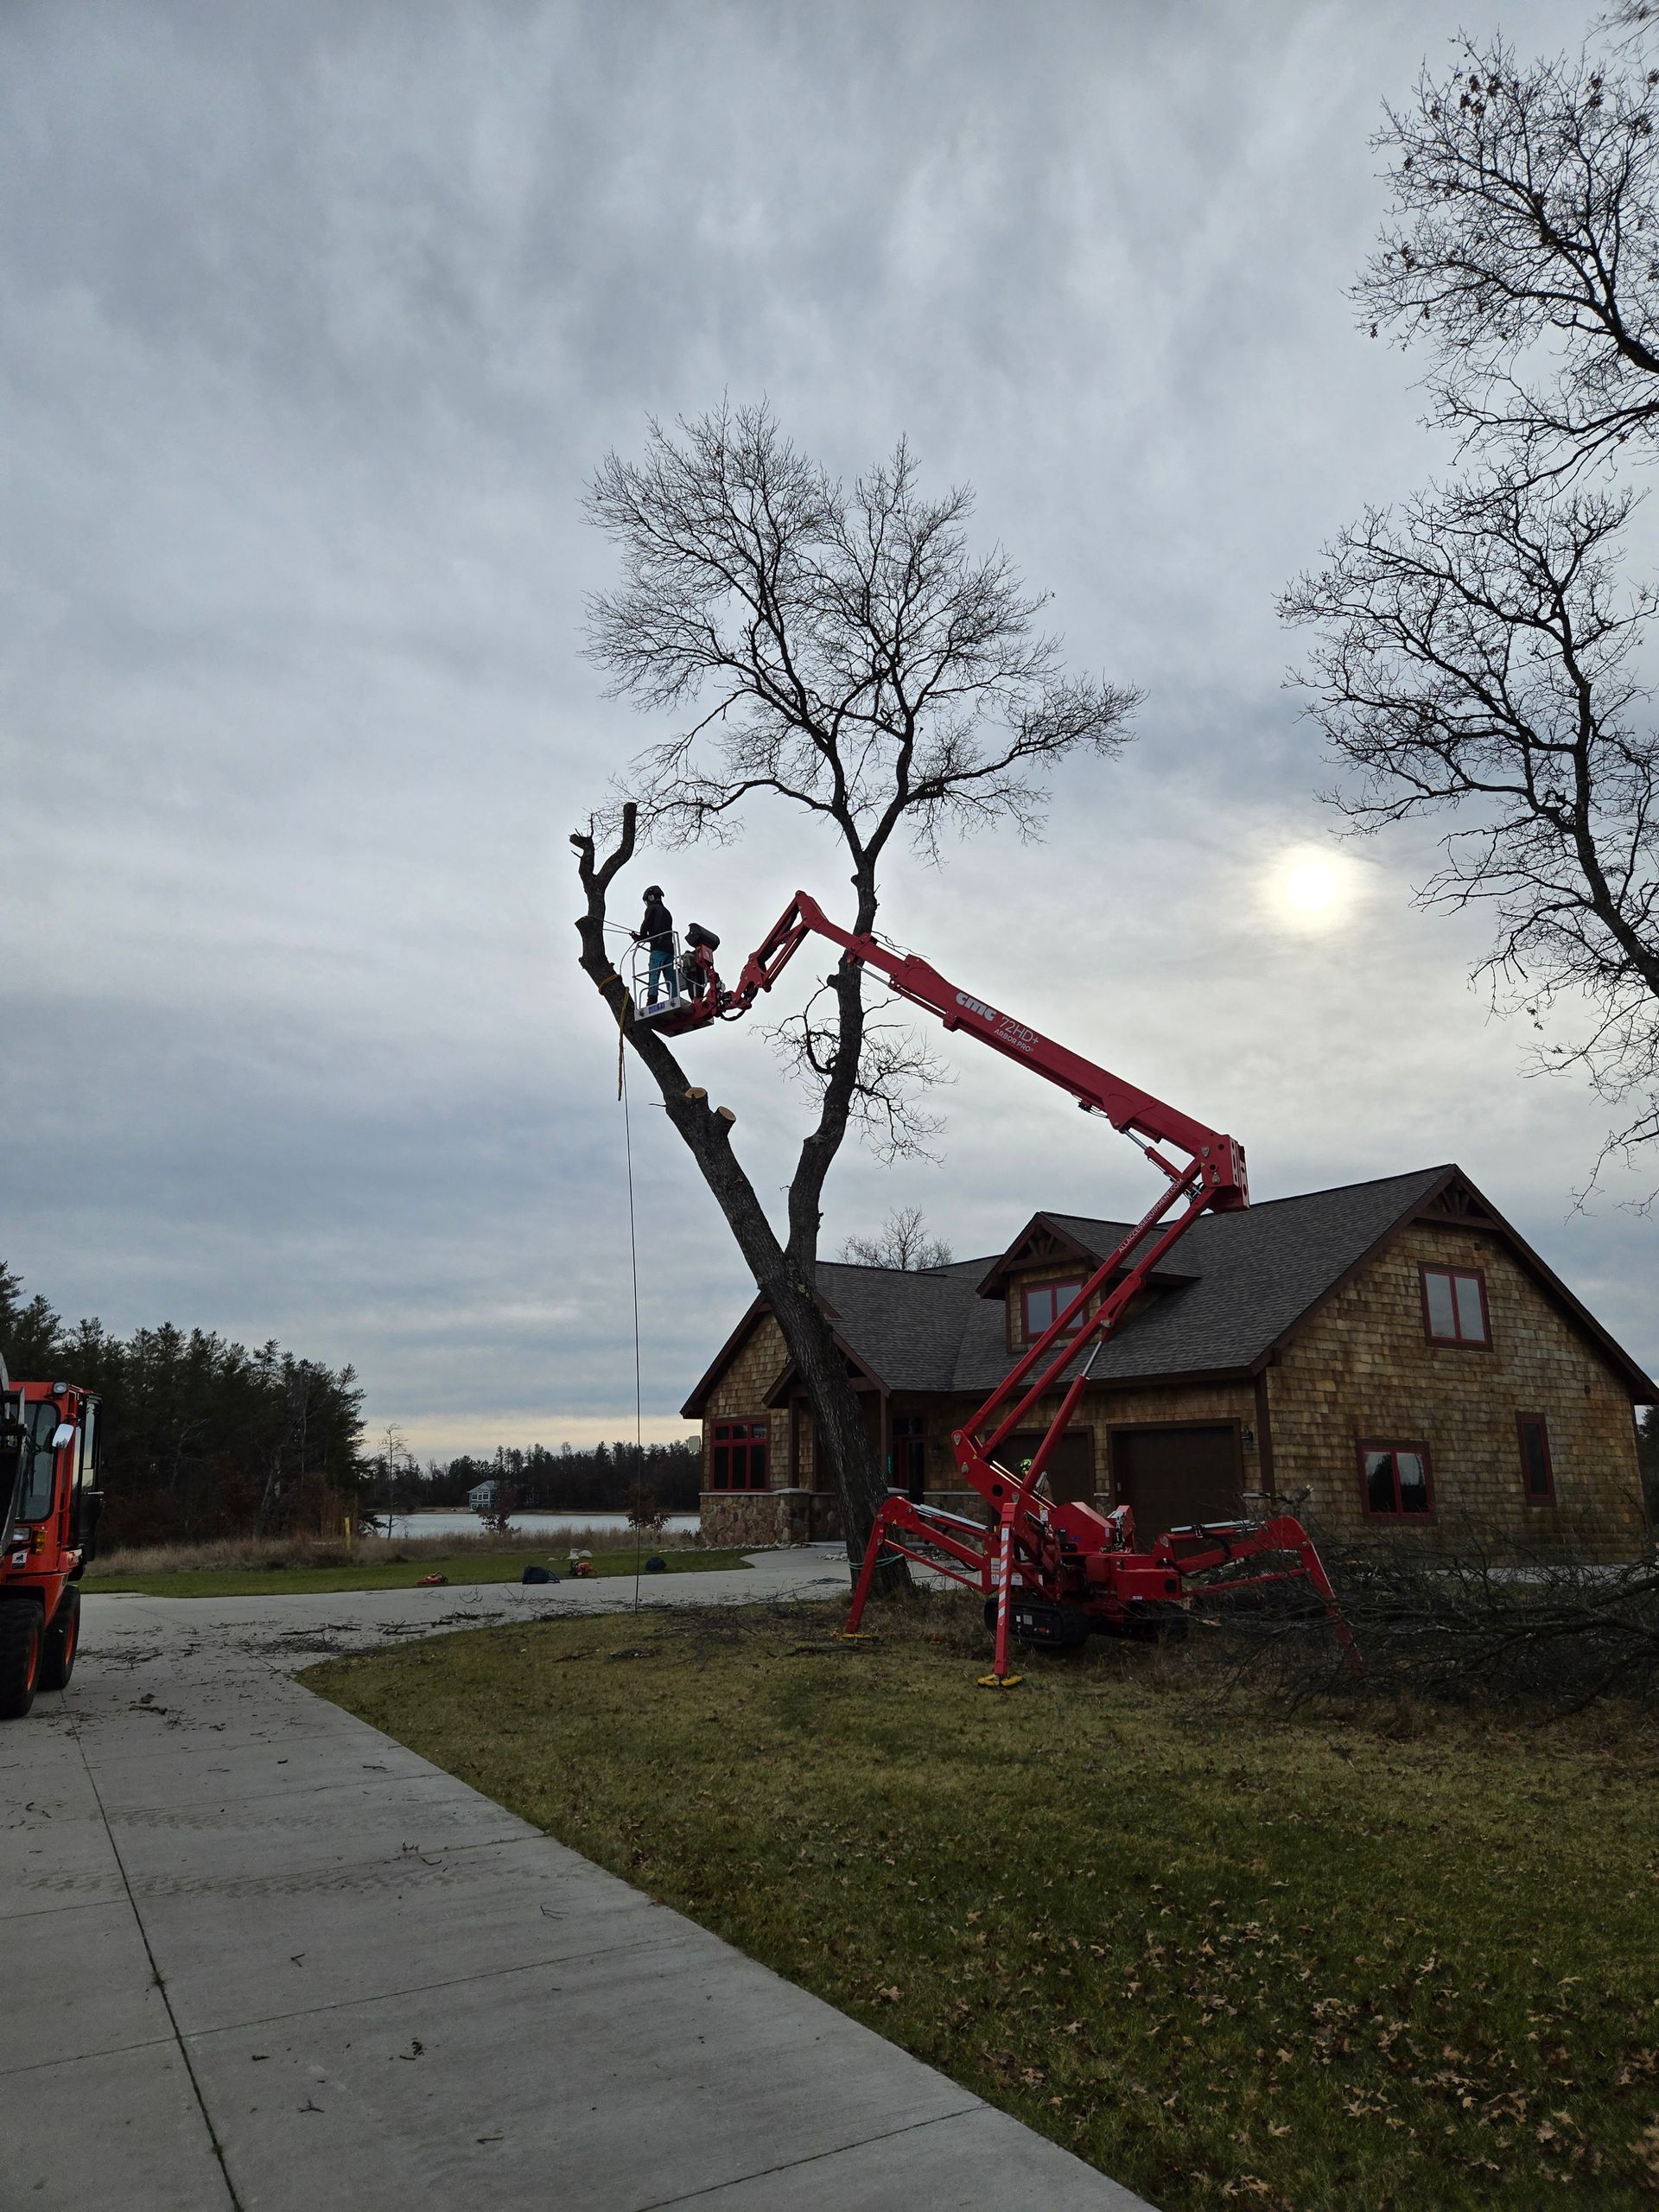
[846,654]
[1475,657]
[902,1242]
[381,1472]
[1524,253]
[1476,645]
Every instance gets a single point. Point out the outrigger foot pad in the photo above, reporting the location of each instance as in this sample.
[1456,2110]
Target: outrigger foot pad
[1000,1681]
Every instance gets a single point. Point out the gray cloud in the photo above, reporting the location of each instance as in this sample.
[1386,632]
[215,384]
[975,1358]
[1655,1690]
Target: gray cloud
[316,319]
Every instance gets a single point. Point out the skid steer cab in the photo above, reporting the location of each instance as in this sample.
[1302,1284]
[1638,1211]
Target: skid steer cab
[49,1509]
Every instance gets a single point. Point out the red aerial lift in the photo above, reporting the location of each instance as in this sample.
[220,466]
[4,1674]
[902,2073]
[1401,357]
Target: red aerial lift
[1051,1572]
[48,1518]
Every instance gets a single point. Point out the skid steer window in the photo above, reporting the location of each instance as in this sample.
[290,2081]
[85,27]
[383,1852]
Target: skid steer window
[36,1501]
[10,1455]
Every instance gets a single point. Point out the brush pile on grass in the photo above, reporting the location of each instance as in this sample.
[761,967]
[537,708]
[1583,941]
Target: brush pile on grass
[1546,1636]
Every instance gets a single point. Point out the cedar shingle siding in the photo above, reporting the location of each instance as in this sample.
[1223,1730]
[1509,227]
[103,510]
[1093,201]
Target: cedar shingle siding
[1279,1339]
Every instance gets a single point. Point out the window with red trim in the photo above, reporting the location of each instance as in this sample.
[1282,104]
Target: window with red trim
[1537,1475]
[1454,1307]
[1043,1302]
[1395,1480]
[737,1458]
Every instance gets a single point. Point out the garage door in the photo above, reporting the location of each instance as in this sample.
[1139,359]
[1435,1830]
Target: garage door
[1070,1471]
[1174,1476]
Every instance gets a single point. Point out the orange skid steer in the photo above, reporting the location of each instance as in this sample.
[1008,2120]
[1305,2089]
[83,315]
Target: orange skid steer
[48,1518]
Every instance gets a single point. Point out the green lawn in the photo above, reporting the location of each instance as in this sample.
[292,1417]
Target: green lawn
[1230,1957]
[459,1568]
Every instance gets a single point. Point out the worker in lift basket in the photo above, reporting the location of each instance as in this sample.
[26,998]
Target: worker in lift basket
[657,929]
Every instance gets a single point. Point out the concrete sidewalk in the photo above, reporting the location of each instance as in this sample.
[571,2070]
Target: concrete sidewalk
[259,1956]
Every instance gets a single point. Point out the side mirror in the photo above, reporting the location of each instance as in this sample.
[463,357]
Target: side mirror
[62,1434]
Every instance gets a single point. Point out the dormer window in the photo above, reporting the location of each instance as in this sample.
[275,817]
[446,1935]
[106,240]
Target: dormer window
[1043,1302]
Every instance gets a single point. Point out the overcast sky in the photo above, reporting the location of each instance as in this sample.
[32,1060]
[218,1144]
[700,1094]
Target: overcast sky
[317,317]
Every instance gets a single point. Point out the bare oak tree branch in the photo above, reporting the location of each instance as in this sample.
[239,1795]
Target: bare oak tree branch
[1524,254]
[1476,656]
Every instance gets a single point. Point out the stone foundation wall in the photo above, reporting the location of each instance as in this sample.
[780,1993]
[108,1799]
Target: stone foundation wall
[755,1520]
[746,1519]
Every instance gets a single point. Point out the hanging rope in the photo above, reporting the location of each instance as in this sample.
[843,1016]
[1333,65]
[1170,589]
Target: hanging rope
[621,1029]
[634,1262]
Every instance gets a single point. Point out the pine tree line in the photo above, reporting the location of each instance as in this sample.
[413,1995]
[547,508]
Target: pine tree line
[201,1438]
[603,1479]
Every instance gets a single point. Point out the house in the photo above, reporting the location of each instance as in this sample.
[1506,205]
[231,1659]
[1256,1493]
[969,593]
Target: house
[481,1497]
[1393,1353]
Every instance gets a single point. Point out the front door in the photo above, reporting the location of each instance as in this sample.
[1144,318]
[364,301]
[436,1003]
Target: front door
[907,1456]
[1173,1475]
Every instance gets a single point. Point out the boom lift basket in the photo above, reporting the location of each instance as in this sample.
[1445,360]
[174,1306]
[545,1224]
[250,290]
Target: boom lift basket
[669,993]
[697,994]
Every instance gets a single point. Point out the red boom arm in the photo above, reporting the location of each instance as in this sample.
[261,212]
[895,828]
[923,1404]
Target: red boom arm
[1079,1562]
[1213,1179]
[1219,1160]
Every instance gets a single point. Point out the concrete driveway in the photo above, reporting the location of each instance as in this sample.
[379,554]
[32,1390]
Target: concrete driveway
[259,1956]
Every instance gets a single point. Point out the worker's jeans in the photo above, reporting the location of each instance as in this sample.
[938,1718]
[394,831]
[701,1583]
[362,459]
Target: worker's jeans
[662,964]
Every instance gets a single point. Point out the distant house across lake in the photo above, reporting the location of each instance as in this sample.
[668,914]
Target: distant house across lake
[481,1497]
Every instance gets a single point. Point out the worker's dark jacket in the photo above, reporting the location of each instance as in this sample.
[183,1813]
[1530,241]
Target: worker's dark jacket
[657,929]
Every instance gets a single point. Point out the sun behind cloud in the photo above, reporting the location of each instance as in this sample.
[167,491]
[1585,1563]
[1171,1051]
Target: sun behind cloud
[1312,889]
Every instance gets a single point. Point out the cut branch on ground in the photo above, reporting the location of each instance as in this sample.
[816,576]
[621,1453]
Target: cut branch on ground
[1544,1636]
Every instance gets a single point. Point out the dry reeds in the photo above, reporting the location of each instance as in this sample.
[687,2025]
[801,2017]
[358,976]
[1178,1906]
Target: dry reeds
[270,1554]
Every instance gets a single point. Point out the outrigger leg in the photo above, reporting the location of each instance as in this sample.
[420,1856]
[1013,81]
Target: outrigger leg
[1000,1678]
[872,1552]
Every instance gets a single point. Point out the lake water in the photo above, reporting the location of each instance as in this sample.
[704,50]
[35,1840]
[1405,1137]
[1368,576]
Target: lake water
[553,1526]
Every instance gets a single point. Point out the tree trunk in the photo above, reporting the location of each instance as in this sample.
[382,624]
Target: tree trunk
[783,1277]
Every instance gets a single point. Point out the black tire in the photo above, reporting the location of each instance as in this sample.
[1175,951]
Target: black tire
[60,1642]
[20,1657]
